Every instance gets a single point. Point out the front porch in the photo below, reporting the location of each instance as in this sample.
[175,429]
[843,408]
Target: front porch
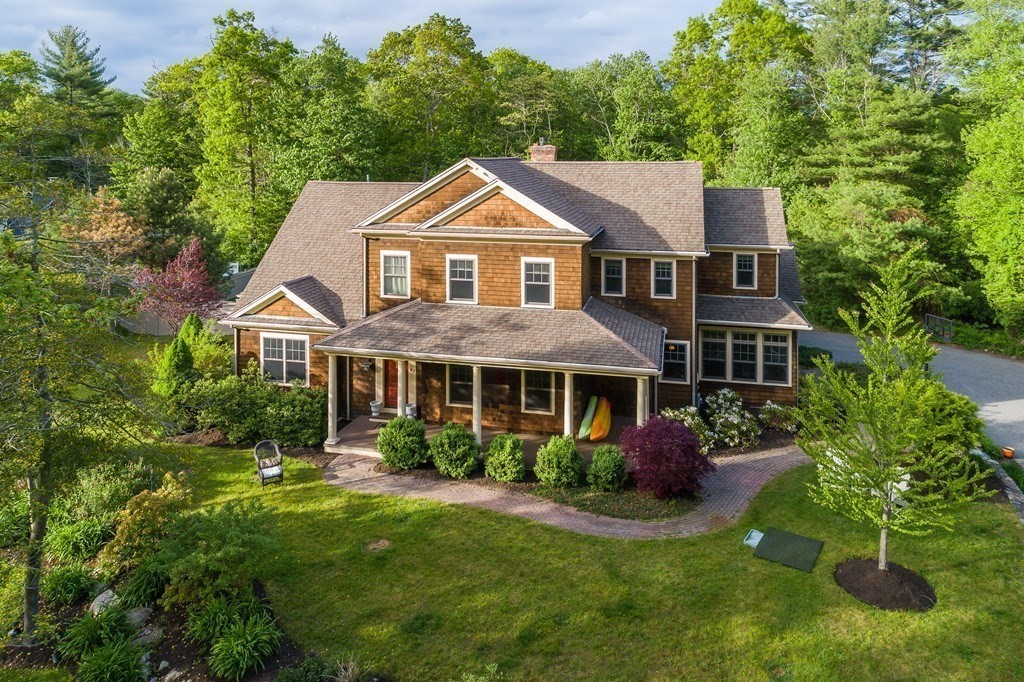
[359,437]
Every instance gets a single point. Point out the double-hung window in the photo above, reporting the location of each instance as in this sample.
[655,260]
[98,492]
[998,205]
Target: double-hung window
[538,392]
[613,277]
[538,282]
[283,358]
[460,385]
[744,356]
[745,271]
[663,279]
[675,362]
[462,279]
[394,274]
[775,358]
[713,350]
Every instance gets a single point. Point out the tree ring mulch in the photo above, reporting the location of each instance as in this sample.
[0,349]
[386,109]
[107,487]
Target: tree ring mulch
[898,589]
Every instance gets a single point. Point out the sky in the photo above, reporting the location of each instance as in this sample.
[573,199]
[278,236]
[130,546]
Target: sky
[139,37]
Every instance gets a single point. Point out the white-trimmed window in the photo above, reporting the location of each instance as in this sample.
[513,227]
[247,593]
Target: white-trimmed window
[460,385]
[676,362]
[744,270]
[538,392]
[462,279]
[746,356]
[663,279]
[284,357]
[713,354]
[538,276]
[394,274]
[613,276]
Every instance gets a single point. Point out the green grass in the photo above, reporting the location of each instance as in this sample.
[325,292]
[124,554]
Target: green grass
[51,675]
[981,337]
[1014,471]
[627,504]
[459,588]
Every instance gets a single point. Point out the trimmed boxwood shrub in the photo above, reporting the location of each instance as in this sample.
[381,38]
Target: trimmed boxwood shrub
[402,443]
[559,463]
[607,469]
[67,584]
[666,456]
[504,460]
[455,451]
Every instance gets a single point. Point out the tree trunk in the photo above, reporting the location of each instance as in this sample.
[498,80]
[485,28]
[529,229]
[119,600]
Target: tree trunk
[883,543]
[37,504]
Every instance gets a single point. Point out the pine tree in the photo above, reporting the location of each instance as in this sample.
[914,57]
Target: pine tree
[73,68]
[175,369]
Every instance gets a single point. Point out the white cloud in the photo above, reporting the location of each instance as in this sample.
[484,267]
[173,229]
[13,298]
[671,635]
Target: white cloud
[138,36]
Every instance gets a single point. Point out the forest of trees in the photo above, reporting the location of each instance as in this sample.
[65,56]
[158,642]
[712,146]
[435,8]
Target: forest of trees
[885,122]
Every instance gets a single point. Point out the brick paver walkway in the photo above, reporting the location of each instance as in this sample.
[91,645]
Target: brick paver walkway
[727,492]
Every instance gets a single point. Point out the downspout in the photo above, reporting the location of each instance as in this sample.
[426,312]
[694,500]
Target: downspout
[695,342]
[366,277]
[348,388]
[234,358]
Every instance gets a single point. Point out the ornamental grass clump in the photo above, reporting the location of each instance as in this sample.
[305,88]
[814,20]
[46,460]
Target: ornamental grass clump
[559,463]
[607,471]
[666,457]
[455,451]
[731,424]
[402,443]
[690,416]
[504,460]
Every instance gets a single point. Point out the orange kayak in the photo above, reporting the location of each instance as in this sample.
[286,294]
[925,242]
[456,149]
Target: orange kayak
[602,420]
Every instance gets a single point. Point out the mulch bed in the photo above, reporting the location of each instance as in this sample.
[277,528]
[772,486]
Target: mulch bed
[993,482]
[898,589]
[206,437]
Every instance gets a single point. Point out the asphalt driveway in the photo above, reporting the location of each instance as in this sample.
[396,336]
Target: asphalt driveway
[995,383]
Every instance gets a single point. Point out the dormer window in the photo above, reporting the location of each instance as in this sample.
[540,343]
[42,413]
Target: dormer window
[613,277]
[745,271]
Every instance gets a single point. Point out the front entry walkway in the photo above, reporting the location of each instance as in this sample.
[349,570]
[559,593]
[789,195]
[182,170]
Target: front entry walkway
[727,492]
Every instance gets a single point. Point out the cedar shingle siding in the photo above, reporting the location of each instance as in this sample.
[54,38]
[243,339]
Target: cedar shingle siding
[715,275]
[439,200]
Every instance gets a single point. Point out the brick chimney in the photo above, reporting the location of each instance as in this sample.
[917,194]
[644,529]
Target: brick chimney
[543,152]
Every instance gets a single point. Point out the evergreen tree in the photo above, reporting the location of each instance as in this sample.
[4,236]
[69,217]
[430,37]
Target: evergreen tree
[74,70]
[175,369]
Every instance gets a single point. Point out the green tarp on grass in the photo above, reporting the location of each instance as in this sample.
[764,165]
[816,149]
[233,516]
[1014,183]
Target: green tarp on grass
[789,549]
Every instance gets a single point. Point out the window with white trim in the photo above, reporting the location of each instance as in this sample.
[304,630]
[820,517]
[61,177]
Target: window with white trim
[283,358]
[775,358]
[744,356]
[713,350]
[676,362]
[538,392]
[460,385]
[613,277]
[462,279]
[538,282]
[745,270]
[394,277]
[663,279]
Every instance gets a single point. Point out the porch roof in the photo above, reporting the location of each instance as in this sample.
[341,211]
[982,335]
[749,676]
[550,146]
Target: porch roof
[750,311]
[598,338]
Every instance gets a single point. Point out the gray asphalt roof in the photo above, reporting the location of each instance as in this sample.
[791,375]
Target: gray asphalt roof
[599,335]
[789,276]
[749,310]
[747,216]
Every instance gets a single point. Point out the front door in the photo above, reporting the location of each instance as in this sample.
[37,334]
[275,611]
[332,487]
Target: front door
[390,383]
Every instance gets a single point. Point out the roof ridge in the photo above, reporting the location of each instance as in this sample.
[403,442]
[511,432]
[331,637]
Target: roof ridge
[627,345]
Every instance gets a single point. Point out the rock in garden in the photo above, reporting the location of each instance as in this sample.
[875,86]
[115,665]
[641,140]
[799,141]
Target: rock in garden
[137,617]
[171,676]
[164,665]
[149,637]
[103,602]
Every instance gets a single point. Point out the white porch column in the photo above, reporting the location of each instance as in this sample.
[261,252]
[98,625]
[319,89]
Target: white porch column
[403,380]
[478,403]
[643,407]
[332,397]
[567,405]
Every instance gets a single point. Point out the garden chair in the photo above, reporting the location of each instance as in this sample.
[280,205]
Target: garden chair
[269,464]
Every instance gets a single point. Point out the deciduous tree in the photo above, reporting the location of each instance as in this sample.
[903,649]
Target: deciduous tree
[183,287]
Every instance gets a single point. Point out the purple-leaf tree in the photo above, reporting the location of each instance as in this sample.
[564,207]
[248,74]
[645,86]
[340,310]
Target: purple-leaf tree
[666,457]
[183,287]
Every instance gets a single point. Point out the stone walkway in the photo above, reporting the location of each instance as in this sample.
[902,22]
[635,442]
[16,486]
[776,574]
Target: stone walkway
[727,492]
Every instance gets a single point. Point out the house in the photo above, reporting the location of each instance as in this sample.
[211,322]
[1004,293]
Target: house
[503,293]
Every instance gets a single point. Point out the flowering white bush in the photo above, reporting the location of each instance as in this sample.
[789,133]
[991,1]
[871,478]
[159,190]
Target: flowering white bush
[778,417]
[729,422]
[690,416]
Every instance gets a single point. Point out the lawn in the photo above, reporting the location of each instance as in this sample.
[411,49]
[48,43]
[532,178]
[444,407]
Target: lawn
[459,588]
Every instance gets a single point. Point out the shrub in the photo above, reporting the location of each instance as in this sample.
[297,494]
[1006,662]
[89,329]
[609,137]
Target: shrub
[211,356]
[13,517]
[559,463]
[607,469]
[690,416]
[402,443]
[211,619]
[90,632]
[731,424]
[77,541]
[244,647]
[119,661]
[297,417]
[217,550]
[141,525]
[504,460]
[173,369]
[67,584]
[100,492]
[806,355]
[237,405]
[146,585]
[455,451]
[666,457]
[778,417]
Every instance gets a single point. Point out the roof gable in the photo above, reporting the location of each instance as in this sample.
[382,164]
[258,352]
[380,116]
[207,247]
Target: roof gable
[302,298]
[498,211]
